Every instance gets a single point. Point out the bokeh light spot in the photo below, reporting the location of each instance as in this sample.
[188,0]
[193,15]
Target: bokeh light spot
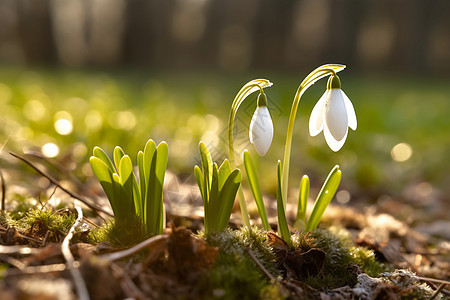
[343,197]
[63,122]
[63,126]
[401,152]
[50,150]
[34,110]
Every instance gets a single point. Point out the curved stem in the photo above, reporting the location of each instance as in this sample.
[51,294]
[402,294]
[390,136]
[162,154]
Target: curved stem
[247,89]
[309,80]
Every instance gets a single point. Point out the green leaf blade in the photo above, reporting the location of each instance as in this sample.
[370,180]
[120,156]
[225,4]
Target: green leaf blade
[254,186]
[142,183]
[125,207]
[104,176]
[324,198]
[303,195]
[154,214]
[207,166]
[161,166]
[128,181]
[99,153]
[224,172]
[118,154]
[214,201]
[226,199]
[282,222]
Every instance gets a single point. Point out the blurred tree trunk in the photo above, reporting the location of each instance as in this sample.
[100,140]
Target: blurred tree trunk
[35,31]
[383,35]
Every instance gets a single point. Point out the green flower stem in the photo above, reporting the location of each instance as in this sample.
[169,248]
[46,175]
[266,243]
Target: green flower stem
[247,89]
[309,80]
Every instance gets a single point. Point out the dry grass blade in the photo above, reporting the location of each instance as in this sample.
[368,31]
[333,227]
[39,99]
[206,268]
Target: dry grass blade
[55,182]
[75,272]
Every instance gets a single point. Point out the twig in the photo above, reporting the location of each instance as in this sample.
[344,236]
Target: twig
[55,182]
[441,287]
[433,280]
[75,272]
[47,234]
[13,262]
[430,281]
[37,269]
[3,191]
[21,250]
[58,166]
[129,287]
[153,241]
[259,264]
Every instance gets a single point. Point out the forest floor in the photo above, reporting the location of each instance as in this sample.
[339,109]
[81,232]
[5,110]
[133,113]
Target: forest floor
[44,256]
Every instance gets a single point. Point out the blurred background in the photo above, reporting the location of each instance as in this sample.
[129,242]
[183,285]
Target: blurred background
[79,73]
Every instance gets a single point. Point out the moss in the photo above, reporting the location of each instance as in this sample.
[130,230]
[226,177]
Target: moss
[235,275]
[343,261]
[127,234]
[54,221]
[365,259]
[37,223]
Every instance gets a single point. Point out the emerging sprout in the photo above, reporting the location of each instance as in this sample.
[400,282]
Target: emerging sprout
[333,114]
[261,127]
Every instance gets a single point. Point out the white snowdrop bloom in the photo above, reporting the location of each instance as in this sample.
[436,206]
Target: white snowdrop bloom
[261,127]
[333,114]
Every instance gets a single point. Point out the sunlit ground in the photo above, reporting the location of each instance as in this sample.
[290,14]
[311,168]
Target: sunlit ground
[401,145]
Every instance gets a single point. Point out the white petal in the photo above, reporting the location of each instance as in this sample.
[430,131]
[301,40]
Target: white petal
[335,114]
[352,123]
[261,130]
[316,119]
[334,144]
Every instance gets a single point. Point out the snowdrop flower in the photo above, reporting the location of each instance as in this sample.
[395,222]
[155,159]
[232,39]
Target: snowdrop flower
[261,127]
[333,114]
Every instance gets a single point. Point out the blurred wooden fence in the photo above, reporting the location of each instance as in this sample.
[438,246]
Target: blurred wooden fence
[385,35]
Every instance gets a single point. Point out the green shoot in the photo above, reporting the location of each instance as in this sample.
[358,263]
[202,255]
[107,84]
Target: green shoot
[218,187]
[302,202]
[128,197]
[283,227]
[324,198]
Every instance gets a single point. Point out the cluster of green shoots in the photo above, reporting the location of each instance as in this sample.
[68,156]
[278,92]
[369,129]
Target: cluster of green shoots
[219,186]
[129,198]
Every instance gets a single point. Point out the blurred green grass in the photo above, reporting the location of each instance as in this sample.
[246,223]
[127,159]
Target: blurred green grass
[108,108]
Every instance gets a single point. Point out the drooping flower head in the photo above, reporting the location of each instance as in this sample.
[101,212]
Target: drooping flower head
[261,127]
[333,114]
